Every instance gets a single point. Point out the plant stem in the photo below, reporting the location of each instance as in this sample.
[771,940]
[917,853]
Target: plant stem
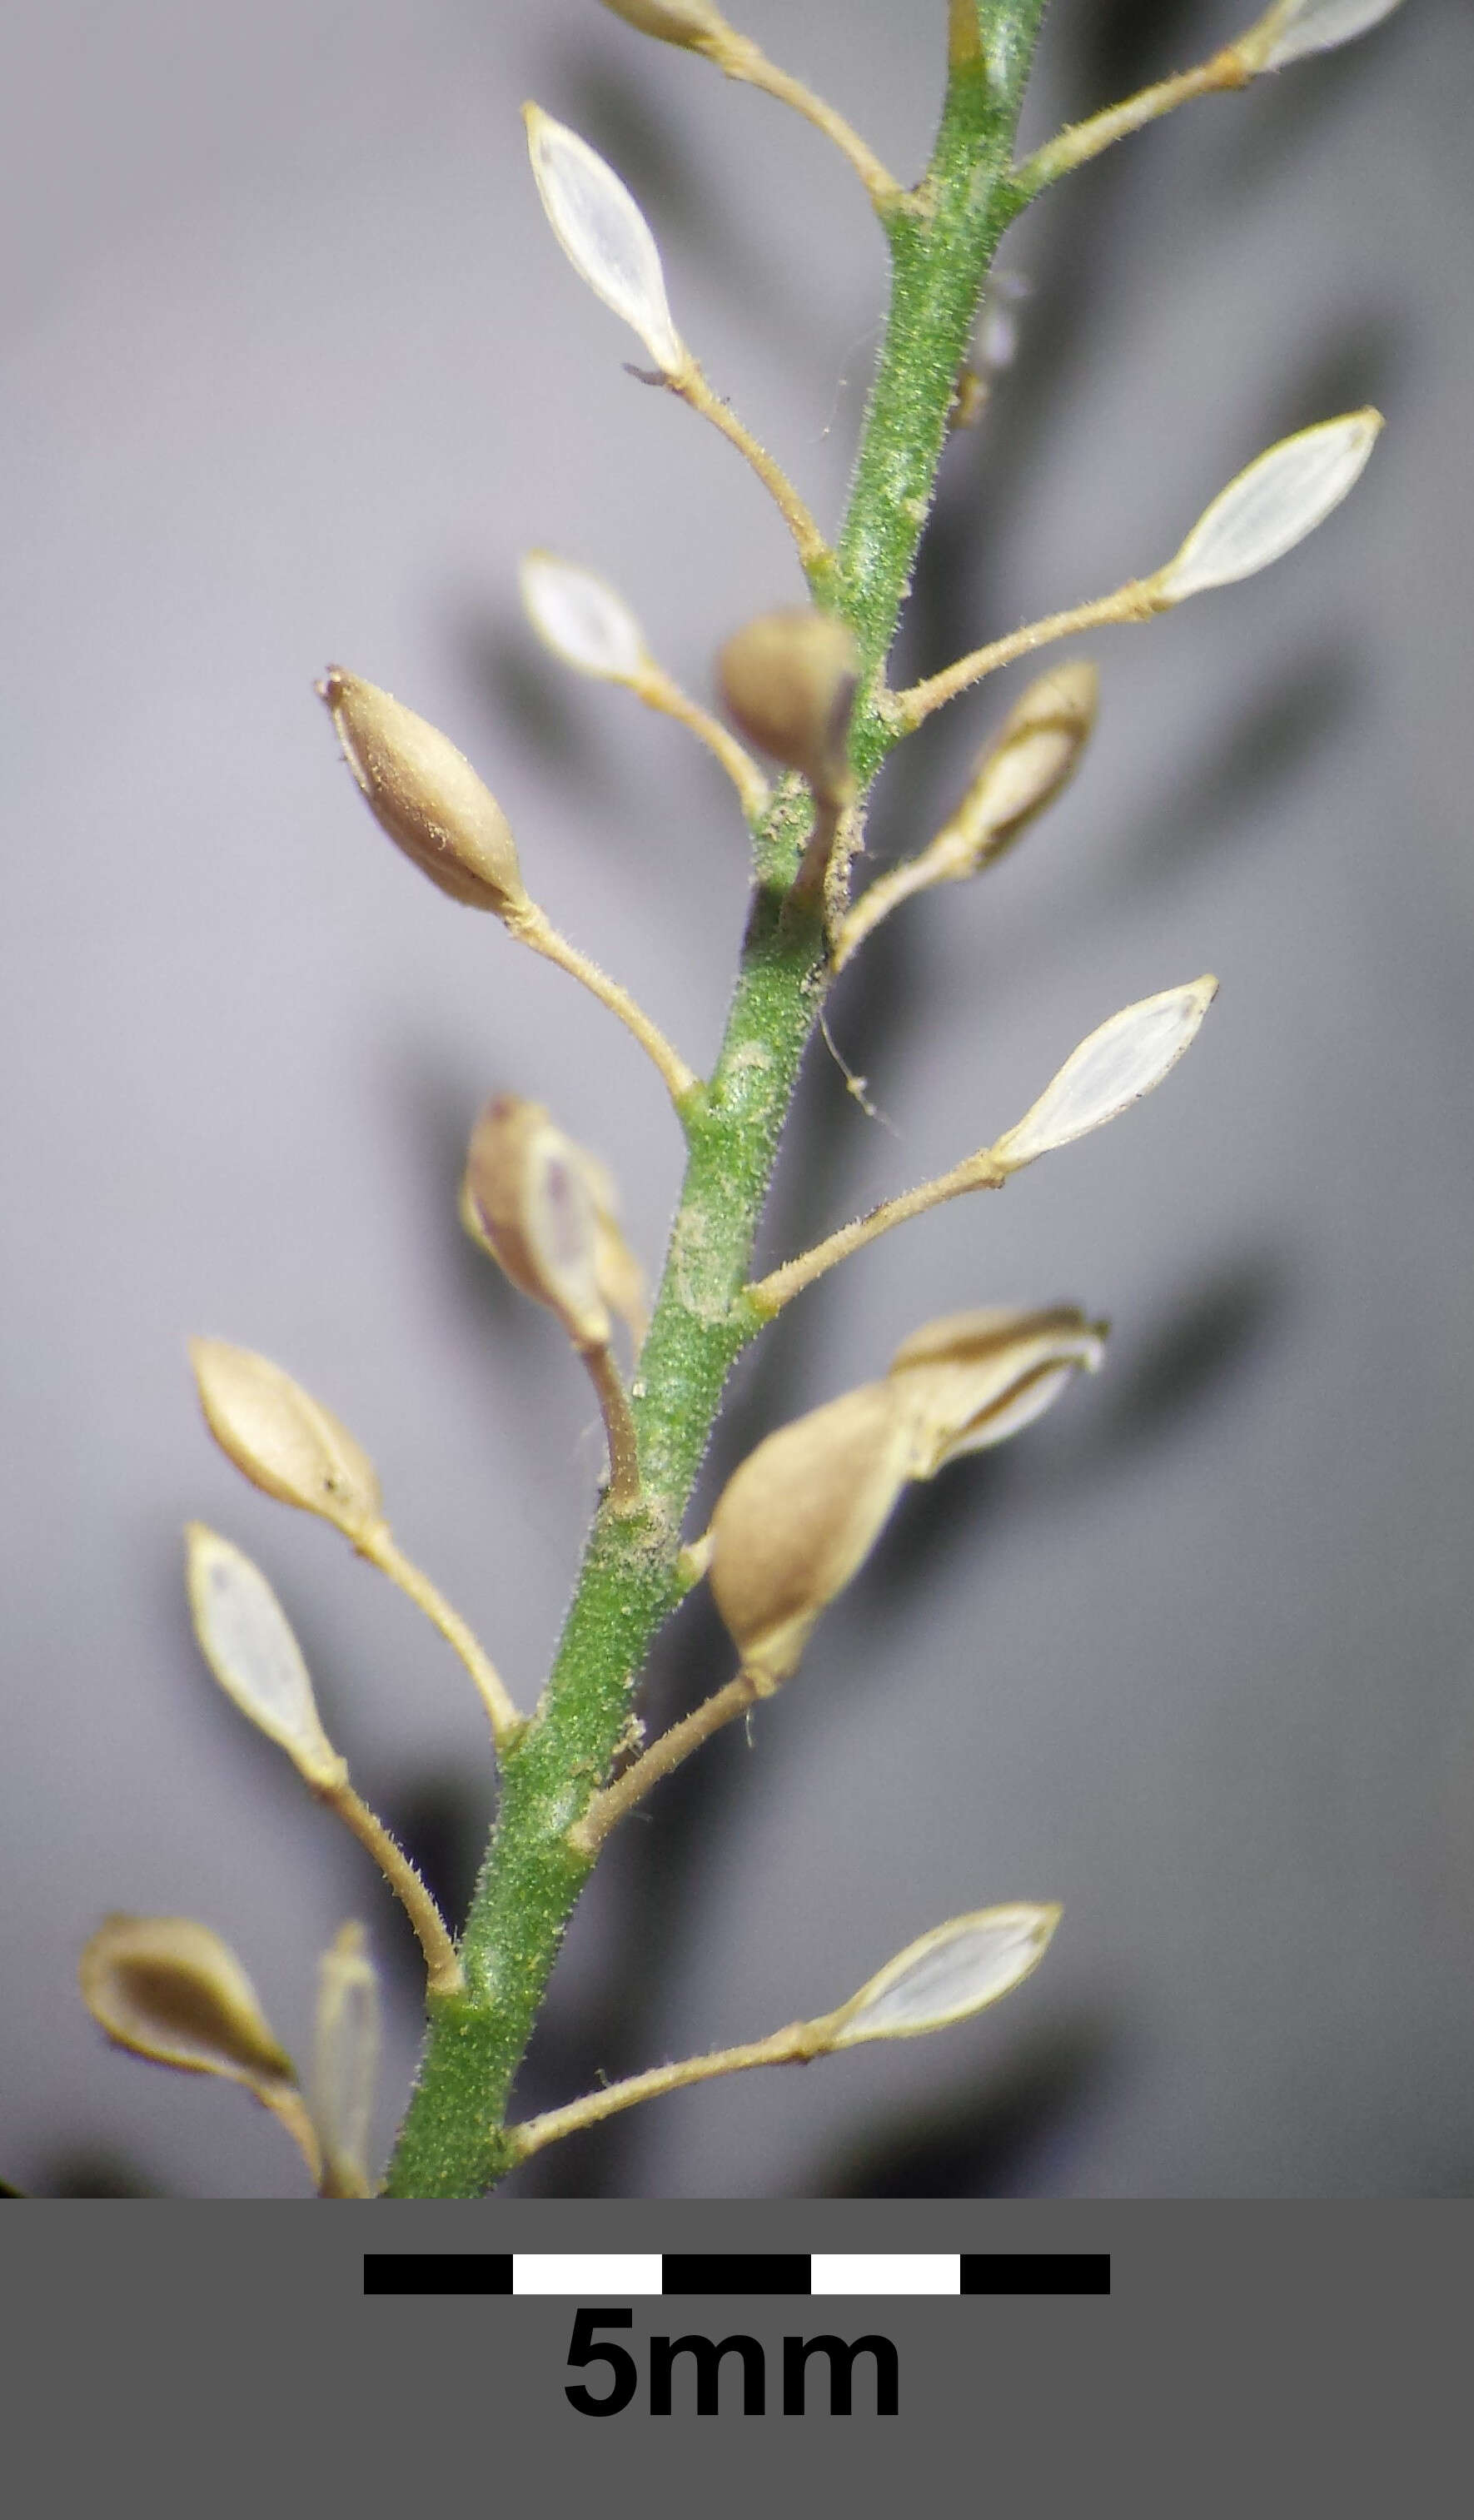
[453,2142]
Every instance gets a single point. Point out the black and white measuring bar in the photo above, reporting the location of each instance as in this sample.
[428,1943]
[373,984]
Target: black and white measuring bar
[877,2276]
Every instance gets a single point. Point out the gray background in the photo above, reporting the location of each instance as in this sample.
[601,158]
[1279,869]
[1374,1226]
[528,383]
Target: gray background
[292,371]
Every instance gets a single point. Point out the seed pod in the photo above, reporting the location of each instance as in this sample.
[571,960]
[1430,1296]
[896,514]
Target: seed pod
[946,1975]
[1033,756]
[692,24]
[790,679]
[605,234]
[1113,1067]
[527,1199]
[345,2062]
[582,621]
[798,1519]
[1299,26]
[618,1271]
[426,797]
[172,1991]
[973,1379]
[282,1439]
[1270,506]
[245,1638]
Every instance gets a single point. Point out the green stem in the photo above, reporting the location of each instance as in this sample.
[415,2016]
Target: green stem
[453,2142]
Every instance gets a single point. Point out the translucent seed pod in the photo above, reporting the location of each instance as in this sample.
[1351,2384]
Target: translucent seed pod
[973,1379]
[1296,28]
[582,619]
[1025,765]
[605,234]
[692,24]
[426,797]
[790,681]
[247,1639]
[946,1975]
[798,1519]
[618,1270]
[1280,498]
[284,1440]
[527,1199]
[1112,1068]
[172,1991]
[345,2062]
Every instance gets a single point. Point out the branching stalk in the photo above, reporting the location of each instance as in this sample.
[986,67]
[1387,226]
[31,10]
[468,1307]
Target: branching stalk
[663,1756]
[768,1295]
[1137,601]
[1080,140]
[455,2141]
[793,2045]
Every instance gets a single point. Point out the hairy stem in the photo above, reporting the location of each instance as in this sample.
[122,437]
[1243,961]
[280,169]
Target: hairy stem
[455,2141]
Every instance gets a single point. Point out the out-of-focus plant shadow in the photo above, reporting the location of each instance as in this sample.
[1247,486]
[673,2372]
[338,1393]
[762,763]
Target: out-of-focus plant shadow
[987,2138]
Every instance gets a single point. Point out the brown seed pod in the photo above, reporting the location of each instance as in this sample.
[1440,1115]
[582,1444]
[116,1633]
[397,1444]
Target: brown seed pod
[426,797]
[790,679]
[798,1520]
[527,1198]
[172,1991]
[1033,756]
[692,24]
[282,1439]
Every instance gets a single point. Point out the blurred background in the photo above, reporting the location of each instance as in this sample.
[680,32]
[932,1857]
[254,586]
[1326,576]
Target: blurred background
[294,371]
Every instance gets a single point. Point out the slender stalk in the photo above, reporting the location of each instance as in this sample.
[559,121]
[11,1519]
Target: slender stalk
[879,899]
[791,2046]
[444,1968]
[382,1550]
[769,1294]
[743,60]
[532,927]
[453,2141]
[663,1756]
[1080,140]
[660,691]
[813,551]
[1136,601]
[287,2106]
[619,1429]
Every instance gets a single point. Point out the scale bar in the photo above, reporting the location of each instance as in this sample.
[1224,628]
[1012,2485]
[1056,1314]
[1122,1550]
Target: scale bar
[875,2275]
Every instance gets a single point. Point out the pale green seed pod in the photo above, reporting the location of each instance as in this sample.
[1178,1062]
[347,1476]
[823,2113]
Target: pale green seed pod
[426,797]
[247,1638]
[605,234]
[1295,27]
[946,1975]
[1122,1059]
[284,1440]
[345,2062]
[790,681]
[1270,506]
[527,1201]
